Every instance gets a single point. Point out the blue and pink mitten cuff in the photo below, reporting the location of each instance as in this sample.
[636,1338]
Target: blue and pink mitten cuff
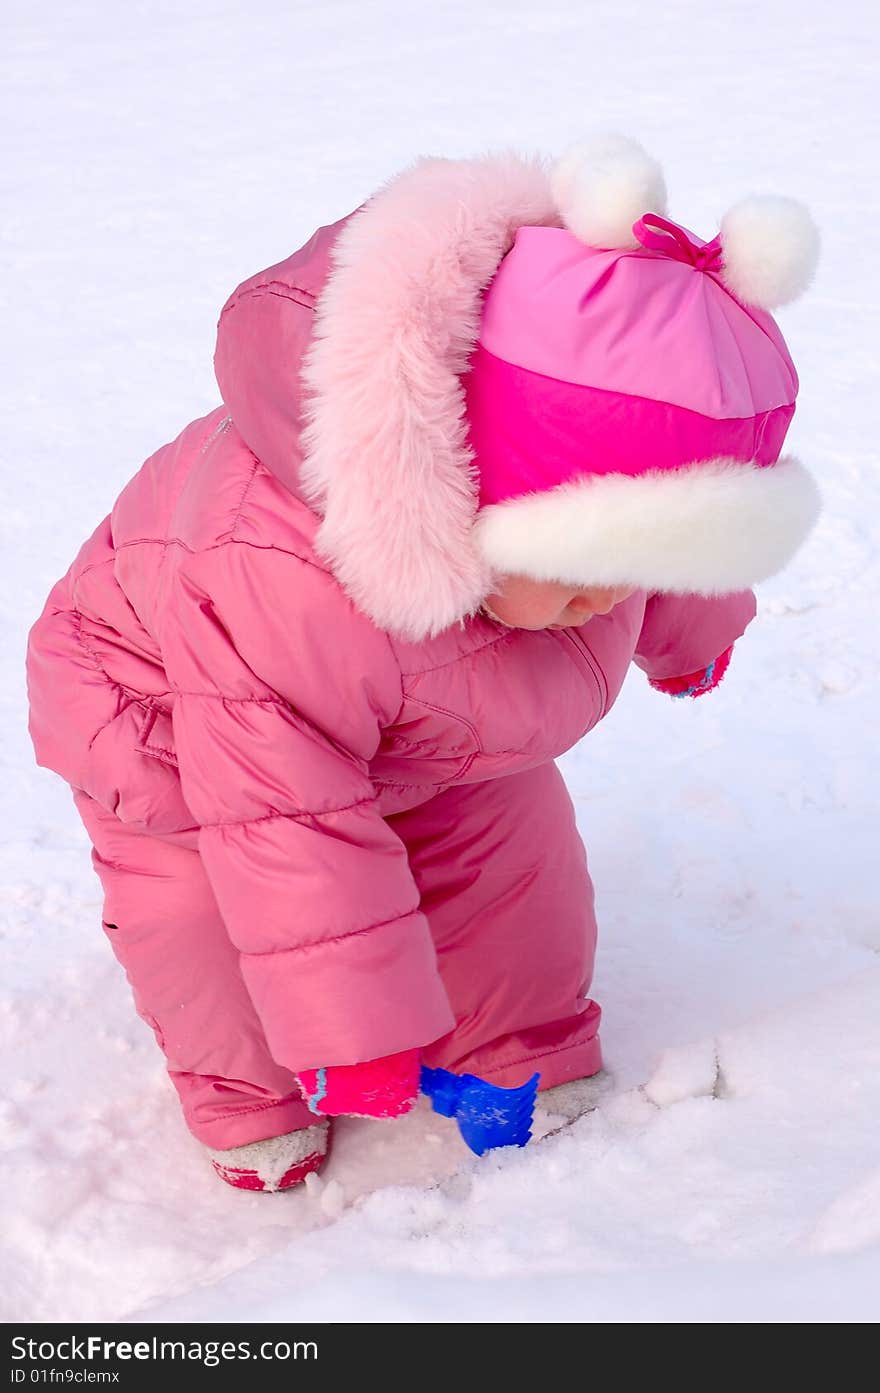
[379,1088]
[695,684]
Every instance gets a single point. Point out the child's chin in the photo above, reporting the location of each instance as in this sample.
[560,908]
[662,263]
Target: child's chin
[568,623]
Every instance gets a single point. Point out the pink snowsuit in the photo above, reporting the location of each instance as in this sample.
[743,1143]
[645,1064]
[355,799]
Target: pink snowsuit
[318,843]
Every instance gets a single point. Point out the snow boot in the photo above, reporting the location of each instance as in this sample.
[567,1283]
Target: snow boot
[278,1163]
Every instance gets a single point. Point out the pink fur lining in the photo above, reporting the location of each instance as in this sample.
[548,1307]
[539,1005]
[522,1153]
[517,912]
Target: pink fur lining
[387,462]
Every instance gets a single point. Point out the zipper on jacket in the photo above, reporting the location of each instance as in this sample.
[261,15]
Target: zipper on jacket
[595,670]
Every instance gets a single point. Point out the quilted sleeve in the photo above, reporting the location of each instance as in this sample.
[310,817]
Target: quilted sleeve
[688,636]
[281,688]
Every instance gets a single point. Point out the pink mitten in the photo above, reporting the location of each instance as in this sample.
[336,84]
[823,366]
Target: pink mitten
[695,683]
[380,1088]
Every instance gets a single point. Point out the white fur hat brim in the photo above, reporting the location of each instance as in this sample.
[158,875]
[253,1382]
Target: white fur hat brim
[709,528]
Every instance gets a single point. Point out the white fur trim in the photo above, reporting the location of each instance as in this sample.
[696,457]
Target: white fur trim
[771,249]
[603,185]
[387,461]
[707,528]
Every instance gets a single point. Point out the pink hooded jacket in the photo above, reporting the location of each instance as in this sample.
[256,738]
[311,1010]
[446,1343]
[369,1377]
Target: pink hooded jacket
[204,672]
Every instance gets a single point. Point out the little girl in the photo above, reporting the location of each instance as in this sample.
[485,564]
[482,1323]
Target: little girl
[484,442]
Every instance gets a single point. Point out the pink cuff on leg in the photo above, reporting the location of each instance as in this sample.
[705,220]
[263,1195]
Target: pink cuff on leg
[385,1087]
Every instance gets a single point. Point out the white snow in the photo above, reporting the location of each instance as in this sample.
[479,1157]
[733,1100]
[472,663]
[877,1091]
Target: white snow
[155,155]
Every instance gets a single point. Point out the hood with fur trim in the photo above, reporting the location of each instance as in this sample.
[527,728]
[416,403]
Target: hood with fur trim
[359,407]
[388,463]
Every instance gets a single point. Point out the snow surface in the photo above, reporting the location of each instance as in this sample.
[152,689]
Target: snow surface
[155,155]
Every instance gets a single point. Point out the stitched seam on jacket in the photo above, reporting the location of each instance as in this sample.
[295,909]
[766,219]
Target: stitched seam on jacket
[159,750]
[152,747]
[230,532]
[220,429]
[396,664]
[215,546]
[280,289]
[304,814]
[105,560]
[121,691]
[398,783]
[453,716]
[337,938]
[260,1107]
[78,632]
[218,696]
[460,657]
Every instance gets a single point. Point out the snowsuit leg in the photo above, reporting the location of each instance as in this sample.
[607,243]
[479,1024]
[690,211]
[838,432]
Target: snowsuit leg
[504,883]
[164,926]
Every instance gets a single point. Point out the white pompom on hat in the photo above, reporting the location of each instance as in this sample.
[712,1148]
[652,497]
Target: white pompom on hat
[771,249]
[601,186]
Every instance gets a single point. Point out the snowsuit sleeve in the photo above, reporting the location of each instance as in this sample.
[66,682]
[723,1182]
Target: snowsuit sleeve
[684,634]
[281,689]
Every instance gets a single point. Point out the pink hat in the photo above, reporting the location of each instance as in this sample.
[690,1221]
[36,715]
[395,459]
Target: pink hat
[629,396]
[523,368]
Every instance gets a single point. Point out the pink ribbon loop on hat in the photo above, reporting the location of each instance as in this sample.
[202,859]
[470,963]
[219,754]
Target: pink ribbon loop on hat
[659,234]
